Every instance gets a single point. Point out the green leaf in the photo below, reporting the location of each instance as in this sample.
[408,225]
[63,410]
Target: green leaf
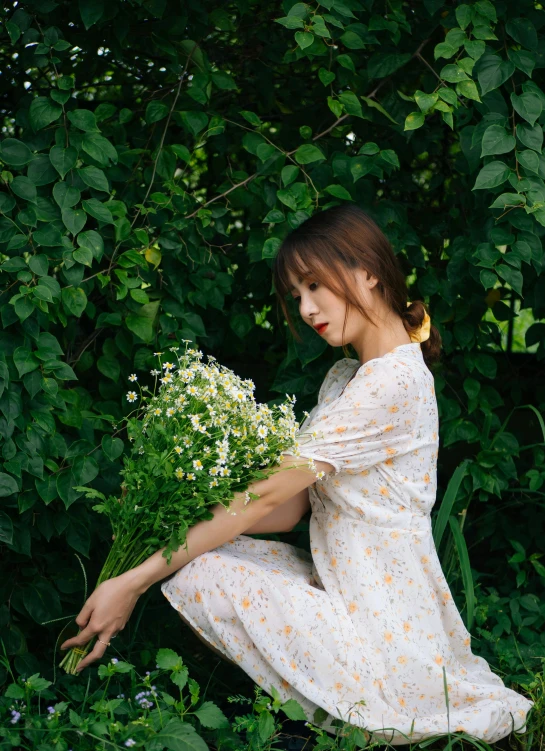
[528,105]
[40,171]
[83,120]
[180,736]
[65,196]
[99,210]
[43,111]
[74,220]
[15,152]
[48,237]
[74,300]
[530,136]
[112,447]
[90,11]
[350,103]
[94,178]
[508,199]
[496,140]
[24,361]
[24,188]
[425,101]
[304,39]
[142,323]
[383,64]
[211,716]
[155,111]
[524,61]
[63,159]
[492,72]
[464,15]
[523,31]
[453,74]
[8,486]
[513,277]
[109,367]
[339,192]
[39,264]
[529,160]
[492,174]
[414,120]
[308,153]
[475,48]
[99,148]
[84,256]
[468,89]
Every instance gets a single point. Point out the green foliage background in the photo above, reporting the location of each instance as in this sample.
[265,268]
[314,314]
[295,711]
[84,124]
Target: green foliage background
[153,156]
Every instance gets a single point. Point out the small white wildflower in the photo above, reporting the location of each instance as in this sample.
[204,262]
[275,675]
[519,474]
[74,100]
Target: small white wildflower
[155,372]
[131,396]
[133,377]
[197,464]
[170,412]
[168,366]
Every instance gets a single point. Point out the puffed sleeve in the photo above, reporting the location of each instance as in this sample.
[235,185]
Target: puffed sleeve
[371,421]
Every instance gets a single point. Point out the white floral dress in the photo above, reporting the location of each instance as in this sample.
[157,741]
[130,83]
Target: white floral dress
[366,627]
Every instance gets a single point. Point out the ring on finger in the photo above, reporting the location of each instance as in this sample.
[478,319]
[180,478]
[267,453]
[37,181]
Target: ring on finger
[107,643]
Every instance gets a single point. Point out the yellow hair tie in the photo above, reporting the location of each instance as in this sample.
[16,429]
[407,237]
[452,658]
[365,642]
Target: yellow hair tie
[422,333]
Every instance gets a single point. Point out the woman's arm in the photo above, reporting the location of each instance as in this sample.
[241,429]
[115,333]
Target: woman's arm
[284,517]
[109,607]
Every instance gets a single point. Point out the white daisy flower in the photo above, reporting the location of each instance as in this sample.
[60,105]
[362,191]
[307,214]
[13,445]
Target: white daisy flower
[133,377]
[170,412]
[131,396]
[178,449]
[155,372]
[197,464]
[156,411]
[190,476]
[179,473]
[168,366]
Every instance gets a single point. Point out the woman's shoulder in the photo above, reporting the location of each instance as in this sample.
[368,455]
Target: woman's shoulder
[401,370]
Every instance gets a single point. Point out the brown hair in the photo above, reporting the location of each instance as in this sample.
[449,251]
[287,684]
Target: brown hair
[338,239]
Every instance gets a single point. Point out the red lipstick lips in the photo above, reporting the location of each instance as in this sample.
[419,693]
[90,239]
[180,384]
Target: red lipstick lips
[320,327]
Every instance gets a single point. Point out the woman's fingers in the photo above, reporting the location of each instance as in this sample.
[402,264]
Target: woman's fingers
[96,653]
[82,638]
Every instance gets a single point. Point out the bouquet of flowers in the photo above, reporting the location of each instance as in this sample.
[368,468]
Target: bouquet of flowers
[197,440]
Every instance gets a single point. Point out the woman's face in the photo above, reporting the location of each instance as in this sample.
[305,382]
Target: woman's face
[318,305]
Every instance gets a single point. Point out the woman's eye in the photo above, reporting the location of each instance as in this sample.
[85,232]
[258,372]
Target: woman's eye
[312,284]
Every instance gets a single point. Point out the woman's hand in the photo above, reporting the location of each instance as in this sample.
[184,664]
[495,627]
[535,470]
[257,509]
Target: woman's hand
[104,614]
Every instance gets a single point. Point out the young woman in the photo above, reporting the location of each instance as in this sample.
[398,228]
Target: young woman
[366,626]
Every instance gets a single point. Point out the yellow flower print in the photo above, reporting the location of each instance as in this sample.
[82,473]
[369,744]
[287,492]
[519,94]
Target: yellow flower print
[402,702]
[368,551]
[467,641]
[439,659]
[262,619]
[333,562]
[356,677]
[246,603]
[389,463]
[198,597]
[293,665]
[273,551]
[383,490]
[446,596]
[352,607]
[407,626]
[426,478]
[393,408]
[402,659]
[284,683]
[388,636]
[368,371]
[340,429]
[388,579]
[288,630]
[338,686]
[388,428]
[395,535]
[424,559]
[390,450]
